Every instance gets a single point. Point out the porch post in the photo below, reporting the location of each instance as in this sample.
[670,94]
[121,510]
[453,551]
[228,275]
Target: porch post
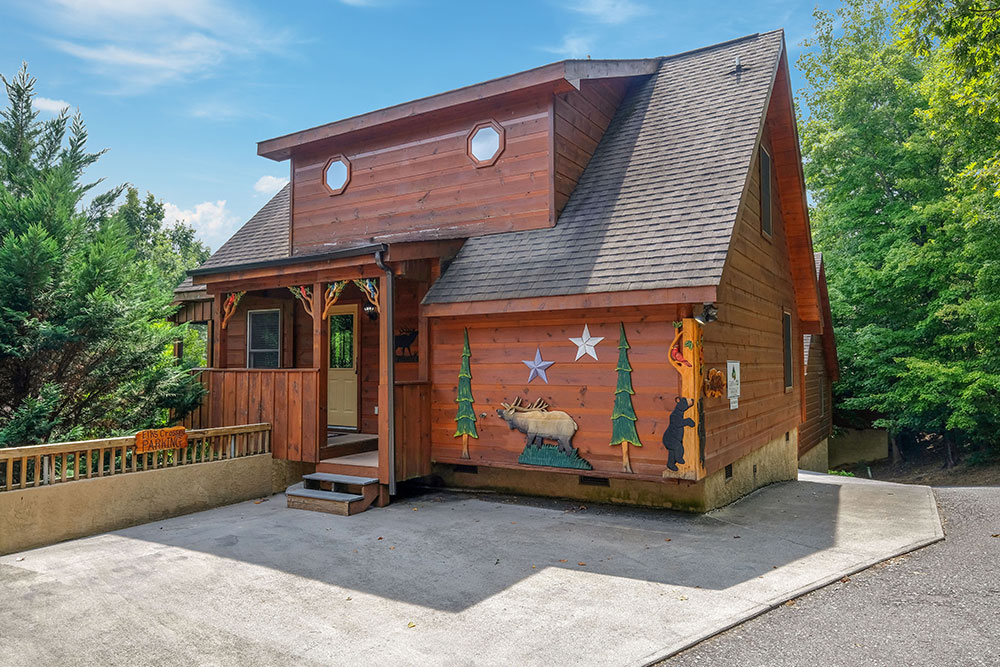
[321,360]
[219,338]
[386,382]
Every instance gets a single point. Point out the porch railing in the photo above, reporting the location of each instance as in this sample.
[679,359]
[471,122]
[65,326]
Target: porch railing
[286,398]
[59,463]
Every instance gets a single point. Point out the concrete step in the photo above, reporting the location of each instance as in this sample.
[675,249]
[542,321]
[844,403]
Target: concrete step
[340,479]
[331,502]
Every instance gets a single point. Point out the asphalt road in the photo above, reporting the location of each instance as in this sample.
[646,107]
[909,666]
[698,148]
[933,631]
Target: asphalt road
[936,606]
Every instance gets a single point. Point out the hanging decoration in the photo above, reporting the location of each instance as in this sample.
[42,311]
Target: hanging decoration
[370,288]
[539,425]
[686,434]
[305,296]
[537,366]
[715,384]
[623,417]
[332,294]
[586,344]
[229,306]
[466,417]
[403,342]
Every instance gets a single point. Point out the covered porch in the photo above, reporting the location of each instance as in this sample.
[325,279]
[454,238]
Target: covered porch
[330,350]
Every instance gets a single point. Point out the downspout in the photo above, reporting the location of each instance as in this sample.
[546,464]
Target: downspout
[389,316]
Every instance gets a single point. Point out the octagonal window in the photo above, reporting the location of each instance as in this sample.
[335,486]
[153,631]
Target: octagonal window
[337,174]
[486,143]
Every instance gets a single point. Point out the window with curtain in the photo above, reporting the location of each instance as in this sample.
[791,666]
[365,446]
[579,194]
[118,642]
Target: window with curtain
[264,339]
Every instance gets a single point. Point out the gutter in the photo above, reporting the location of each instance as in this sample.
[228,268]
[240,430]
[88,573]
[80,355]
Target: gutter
[389,316]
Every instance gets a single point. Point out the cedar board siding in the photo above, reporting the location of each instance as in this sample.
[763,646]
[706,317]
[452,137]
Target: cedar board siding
[194,311]
[418,182]
[756,287]
[585,389]
[818,422]
[580,119]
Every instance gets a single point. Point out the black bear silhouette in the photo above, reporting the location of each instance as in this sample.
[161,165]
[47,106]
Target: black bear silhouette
[673,437]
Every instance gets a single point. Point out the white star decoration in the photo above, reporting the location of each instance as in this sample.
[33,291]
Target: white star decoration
[537,366]
[586,344]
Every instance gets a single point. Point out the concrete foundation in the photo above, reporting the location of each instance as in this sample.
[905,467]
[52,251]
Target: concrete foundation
[816,459]
[44,515]
[855,446]
[774,462]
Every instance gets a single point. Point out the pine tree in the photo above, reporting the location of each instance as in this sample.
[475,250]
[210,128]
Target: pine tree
[85,348]
[466,417]
[623,418]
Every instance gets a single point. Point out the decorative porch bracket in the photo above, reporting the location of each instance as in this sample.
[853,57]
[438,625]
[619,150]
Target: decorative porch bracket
[333,292]
[304,294]
[229,307]
[370,288]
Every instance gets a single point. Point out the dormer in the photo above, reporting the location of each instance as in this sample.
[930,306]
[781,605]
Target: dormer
[499,156]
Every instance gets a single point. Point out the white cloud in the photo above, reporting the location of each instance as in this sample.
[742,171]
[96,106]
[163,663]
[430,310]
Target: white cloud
[609,11]
[268,185]
[573,46]
[48,105]
[141,45]
[212,221]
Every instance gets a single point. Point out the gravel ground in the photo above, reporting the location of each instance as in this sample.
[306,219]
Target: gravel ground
[936,606]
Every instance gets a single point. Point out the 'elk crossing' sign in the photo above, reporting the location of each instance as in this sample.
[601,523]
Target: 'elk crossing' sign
[158,439]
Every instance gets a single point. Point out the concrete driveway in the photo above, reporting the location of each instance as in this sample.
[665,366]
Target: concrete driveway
[444,579]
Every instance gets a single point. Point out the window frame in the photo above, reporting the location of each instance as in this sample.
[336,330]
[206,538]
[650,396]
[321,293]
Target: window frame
[787,351]
[765,186]
[249,337]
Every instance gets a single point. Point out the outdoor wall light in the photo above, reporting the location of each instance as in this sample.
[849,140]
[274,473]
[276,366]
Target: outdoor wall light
[371,311]
[708,314]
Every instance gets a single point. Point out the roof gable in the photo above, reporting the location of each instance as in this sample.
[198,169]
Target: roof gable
[656,205]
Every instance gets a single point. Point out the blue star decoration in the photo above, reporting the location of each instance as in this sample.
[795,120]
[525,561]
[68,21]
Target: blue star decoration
[537,366]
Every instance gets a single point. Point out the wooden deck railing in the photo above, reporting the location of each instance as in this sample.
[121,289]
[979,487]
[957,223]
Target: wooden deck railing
[58,463]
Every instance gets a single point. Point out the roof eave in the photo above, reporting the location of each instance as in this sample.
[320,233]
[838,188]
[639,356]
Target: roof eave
[356,251]
[567,72]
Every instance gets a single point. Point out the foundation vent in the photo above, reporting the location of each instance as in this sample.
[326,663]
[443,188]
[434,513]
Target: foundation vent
[594,481]
[729,471]
[468,470]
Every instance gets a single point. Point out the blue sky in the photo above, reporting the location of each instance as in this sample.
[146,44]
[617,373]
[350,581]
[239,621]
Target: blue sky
[180,91]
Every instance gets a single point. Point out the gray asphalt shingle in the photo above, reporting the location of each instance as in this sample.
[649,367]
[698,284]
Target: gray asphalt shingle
[656,205]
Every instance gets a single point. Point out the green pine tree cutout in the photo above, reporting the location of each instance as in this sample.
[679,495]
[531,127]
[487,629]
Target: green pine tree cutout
[466,417]
[623,418]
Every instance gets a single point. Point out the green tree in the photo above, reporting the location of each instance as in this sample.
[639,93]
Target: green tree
[910,245]
[965,35]
[623,417]
[466,417]
[169,250]
[85,348]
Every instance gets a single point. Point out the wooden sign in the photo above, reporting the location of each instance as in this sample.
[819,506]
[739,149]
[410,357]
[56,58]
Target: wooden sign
[158,439]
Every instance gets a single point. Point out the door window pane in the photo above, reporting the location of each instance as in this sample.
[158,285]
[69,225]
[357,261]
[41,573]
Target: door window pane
[342,340]
[263,338]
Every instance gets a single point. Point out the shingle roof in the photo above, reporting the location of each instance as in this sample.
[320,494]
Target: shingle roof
[656,205]
[263,237]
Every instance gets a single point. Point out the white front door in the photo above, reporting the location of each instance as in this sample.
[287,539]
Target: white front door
[342,376]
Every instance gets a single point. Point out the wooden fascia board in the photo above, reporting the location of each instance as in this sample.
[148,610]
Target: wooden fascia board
[799,237]
[668,295]
[564,74]
[829,340]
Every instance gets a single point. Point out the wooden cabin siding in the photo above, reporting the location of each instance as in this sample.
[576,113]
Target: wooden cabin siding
[818,418]
[193,311]
[756,288]
[284,398]
[584,388]
[579,121]
[418,182]
[236,330]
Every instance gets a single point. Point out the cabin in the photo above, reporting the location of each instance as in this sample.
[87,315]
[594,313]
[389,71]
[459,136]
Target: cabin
[593,279]
[821,370]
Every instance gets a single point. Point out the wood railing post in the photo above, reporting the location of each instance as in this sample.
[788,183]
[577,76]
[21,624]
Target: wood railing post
[321,360]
